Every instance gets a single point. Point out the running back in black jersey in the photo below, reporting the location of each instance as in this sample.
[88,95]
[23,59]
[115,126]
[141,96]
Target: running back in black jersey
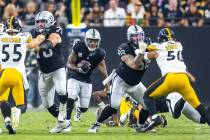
[94,57]
[130,76]
[52,59]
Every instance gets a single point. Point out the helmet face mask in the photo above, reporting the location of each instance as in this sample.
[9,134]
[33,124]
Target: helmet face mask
[92,39]
[44,20]
[41,25]
[137,37]
[13,25]
[135,34]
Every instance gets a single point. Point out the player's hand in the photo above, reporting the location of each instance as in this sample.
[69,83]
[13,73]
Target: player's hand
[41,38]
[142,48]
[98,95]
[85,67]
[191,77]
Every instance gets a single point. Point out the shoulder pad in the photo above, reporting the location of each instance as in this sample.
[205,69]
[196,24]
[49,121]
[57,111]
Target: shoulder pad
[101,52]
[56,29]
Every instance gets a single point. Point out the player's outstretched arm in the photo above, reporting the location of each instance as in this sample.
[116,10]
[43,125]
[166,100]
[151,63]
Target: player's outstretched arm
[36,42]
[133,62]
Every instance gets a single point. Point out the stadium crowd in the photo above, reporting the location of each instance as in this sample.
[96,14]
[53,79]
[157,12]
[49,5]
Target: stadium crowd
[114,12]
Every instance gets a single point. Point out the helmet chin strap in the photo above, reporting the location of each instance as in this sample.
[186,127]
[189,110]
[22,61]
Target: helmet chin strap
[91,49]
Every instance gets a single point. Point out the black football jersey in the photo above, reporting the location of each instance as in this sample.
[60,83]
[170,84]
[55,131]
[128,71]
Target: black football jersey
[94,57]
[51,59]
[130,76]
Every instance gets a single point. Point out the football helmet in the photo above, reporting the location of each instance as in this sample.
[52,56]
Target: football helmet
[13,24]
[2,27]
[44,20]
[92,39]
[165,34]
[135,34]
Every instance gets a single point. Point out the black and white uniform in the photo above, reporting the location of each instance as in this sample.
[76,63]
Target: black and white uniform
[79,84]
[128,80]
[52,66]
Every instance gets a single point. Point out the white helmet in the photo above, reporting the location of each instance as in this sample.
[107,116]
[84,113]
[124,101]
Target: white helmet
[92,34]
[2,27]
[135,30]
[47,17]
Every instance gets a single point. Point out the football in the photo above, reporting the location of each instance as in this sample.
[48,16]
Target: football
[82,63]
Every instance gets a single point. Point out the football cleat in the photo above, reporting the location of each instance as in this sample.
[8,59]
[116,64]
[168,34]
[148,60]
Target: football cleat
[60,126]
[164,121]
[77,116]
[94,128]
[62,112]
[148,127]
[15,116]
[9,126]
[67,129]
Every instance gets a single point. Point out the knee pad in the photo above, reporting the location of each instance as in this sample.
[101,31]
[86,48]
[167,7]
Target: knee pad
[61,90]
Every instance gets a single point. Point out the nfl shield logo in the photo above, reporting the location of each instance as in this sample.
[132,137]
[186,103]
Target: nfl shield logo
[79,54]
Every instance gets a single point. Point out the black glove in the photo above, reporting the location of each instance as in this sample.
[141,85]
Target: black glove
[85,67]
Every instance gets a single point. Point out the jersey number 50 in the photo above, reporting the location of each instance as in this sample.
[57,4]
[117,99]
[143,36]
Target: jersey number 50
[15,51]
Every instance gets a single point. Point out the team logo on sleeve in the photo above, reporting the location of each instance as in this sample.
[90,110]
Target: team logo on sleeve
[79,54]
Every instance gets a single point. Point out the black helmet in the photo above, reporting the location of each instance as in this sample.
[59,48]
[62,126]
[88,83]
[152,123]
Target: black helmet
[13,24]
[165,34]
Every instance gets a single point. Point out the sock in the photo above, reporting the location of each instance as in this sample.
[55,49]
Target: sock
[178,108]
[5,109]
[150,103]
[70,107]
[106,113]
[143,115]
[62,98]
[53,110]
[82,110]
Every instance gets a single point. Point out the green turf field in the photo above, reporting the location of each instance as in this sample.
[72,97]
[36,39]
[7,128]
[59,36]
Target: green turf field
[34,125]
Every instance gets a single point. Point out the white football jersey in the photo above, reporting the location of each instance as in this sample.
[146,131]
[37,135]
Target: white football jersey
[13,50]
[170,57]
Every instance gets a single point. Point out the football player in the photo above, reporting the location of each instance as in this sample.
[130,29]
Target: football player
[51,62]
[175,78]
[15,110]
[13,47]
[85,57]
[128,74]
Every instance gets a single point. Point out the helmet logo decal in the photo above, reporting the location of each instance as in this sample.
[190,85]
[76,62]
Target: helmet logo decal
[10,22]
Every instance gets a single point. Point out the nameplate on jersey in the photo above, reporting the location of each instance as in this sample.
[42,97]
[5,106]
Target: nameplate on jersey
[10,39]
[171,47]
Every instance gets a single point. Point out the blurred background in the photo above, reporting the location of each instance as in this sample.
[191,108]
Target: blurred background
[190,19]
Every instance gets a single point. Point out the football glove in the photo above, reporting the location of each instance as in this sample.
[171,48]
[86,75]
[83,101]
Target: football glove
[142,48]
[85,67]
